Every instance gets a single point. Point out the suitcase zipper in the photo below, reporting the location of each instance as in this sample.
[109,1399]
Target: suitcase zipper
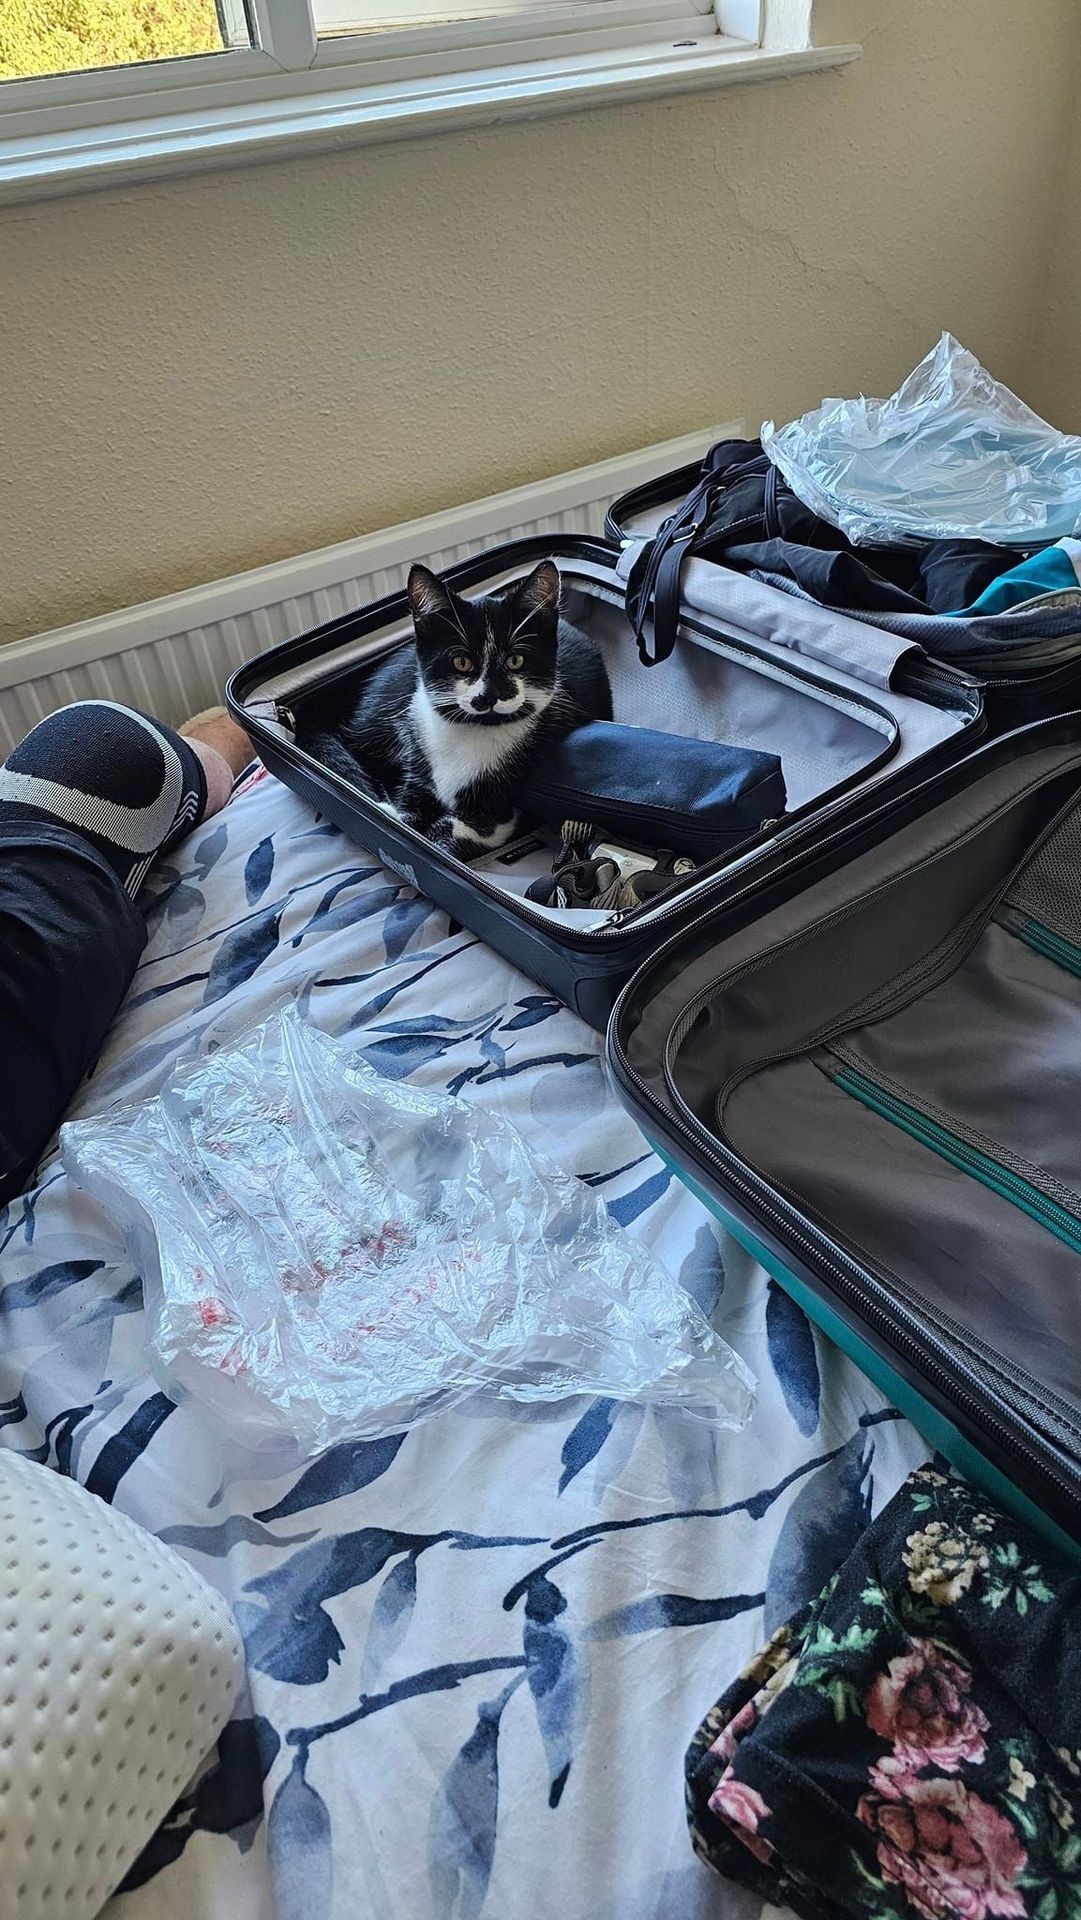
[1062,1428]
[1058,1420]
[1051,945]
[957,1145]
[1058,652]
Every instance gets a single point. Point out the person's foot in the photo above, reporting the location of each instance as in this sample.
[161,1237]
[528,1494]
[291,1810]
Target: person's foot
[224,750]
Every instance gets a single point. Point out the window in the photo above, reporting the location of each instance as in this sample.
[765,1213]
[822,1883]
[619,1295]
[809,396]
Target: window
[93,91]
[89,37]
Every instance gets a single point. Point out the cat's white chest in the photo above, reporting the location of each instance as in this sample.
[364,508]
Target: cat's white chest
[459,754]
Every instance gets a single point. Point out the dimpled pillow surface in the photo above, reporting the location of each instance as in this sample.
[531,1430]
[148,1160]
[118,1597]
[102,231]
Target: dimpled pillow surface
[118,1670]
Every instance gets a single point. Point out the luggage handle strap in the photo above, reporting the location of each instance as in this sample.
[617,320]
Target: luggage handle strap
[655,575]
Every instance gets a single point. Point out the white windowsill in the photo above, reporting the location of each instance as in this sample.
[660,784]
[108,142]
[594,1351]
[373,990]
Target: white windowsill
[43,163]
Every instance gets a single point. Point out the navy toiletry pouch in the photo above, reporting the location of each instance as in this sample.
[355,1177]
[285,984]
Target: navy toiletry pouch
[661,789]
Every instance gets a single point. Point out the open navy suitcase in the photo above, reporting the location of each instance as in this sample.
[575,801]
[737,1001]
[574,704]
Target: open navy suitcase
[872,1073]
[853,713]
[733,510]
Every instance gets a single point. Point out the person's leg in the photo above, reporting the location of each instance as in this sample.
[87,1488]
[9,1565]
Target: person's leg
[224,749]
[87,802]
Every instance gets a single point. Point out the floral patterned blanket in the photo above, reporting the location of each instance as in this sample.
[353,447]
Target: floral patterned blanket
[476,1652]
[910,1743]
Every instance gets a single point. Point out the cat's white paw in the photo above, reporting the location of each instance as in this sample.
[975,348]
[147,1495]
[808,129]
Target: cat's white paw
[489,841]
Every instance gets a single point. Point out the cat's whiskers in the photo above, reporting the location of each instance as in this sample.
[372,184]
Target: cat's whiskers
[522,625]
[453,617]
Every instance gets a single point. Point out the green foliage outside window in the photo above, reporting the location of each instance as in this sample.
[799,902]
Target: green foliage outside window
[56,36]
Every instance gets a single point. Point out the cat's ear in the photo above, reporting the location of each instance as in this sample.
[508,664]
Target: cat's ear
[540,593]
[427,594]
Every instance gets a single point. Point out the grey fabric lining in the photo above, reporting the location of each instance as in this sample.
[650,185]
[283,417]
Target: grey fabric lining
[751,607]
[968,1251]
[706,693]
[825,979]
[804,627]
[960,1126]
[998,1044]
[691,1069]
[986,1043]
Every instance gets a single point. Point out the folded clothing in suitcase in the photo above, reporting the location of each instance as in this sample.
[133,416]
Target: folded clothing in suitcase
[841,707]
[736,510]
[659,789]
[879,1081]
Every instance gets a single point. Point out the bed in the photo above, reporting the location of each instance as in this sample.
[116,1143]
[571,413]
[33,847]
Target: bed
[476,1652]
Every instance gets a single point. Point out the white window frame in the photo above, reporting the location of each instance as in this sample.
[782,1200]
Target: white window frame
[289,43]
[295,89]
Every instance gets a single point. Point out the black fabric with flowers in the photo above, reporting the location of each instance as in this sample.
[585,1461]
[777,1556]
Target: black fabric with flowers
[911,1742]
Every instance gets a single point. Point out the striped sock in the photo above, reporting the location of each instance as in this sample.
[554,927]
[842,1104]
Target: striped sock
[126,783]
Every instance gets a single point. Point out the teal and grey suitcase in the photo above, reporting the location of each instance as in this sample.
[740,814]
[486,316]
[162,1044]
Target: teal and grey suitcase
[873,1075]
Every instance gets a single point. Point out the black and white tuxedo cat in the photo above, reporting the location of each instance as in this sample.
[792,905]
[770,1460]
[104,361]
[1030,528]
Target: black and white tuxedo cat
[443,735]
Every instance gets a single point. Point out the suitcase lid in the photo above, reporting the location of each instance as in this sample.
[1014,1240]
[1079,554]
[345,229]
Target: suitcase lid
[758,1059]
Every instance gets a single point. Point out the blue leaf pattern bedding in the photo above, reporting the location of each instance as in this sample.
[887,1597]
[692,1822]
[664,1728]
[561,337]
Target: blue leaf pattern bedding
[476,1652]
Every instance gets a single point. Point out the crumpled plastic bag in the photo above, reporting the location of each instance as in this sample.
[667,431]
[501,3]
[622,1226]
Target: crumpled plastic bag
[951,455]
[329,1254]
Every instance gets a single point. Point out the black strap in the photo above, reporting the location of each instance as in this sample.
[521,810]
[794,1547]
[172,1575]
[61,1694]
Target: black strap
[654,579]
[667,594]
[655,575]
[771,514]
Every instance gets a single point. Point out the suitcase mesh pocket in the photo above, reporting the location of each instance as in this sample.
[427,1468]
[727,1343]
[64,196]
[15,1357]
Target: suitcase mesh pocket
[1048,890]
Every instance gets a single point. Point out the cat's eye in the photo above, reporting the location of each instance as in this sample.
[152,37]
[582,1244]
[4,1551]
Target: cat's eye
[515,661]
[462,663]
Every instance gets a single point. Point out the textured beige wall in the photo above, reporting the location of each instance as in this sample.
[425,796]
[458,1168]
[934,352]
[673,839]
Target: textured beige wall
[1053,370]
[208,374]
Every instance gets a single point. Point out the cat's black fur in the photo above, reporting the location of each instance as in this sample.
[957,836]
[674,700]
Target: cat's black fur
[444,733]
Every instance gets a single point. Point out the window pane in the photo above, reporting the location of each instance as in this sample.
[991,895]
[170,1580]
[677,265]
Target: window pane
[361,16]
[68,36]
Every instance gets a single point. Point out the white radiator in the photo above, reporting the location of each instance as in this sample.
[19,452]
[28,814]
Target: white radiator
[171,657]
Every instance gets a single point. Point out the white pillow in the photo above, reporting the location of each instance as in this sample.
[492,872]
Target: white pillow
[118,1669]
